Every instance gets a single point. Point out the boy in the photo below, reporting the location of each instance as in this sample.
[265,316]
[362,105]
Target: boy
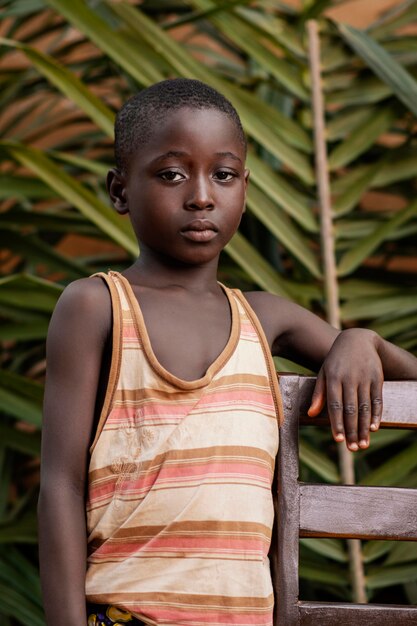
[161,403]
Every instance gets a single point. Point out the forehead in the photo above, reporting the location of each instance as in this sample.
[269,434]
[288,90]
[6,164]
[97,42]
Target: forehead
[195,131]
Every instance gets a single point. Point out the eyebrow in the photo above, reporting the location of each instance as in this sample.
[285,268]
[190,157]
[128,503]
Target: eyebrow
[231,155]
[170,153]
[181,153]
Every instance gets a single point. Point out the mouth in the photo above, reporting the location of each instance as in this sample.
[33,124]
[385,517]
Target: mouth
[200,230]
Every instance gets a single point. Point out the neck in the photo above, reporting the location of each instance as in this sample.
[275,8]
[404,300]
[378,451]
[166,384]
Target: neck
[153,271]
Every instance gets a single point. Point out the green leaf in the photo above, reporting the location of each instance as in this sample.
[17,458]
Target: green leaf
[387,576]
[313,9]
[278,30]
[400,166]
[23,187]
[280,125]
[19,607]
[285,365]
[22,398]
[354,257]
[384,438]
[374,550]
[355,288]
[64,222]
[390,328]
[33,249]
[20,407]
[76,194]
[29,293]
[362,91]
[371,307]
[16,331]
[345,122]
[246,38]
[330,548]
[118,47]
[23,385]
[349,199]
[327,574]
[395,470]
[362,138]
[280,191]
[284,230]
[401,14]
[96,167]
[194,16]
[20,574]
[21,530]
[318,462]
[256,267]
[68,83]
[402,552]
[382,63]
[22,8]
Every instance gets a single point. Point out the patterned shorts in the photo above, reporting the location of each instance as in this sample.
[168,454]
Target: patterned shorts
[108,615]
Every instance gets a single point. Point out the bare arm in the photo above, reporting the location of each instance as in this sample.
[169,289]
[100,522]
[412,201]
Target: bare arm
[351,365]
[76,339]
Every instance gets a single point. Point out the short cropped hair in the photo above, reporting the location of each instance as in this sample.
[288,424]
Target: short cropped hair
[140,114]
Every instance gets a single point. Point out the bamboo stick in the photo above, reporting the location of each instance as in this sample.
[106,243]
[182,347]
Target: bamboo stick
[357,575]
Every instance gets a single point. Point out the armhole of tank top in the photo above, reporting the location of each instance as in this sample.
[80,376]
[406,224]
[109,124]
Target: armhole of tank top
[272,374]
[115,356]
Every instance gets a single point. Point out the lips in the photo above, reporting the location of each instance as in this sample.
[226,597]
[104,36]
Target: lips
[200,225]
[200,230]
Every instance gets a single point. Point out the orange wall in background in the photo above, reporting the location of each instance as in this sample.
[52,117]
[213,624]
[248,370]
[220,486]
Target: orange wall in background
[358,13]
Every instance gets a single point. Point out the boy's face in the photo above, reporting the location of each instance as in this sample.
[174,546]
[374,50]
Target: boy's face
[185,189]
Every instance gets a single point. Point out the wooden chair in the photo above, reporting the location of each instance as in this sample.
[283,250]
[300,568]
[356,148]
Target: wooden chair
[314,510]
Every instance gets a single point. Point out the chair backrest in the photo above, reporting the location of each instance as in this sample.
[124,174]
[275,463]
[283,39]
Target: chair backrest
[357,512]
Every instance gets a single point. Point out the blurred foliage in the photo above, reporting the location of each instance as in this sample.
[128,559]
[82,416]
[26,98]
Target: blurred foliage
[66,66]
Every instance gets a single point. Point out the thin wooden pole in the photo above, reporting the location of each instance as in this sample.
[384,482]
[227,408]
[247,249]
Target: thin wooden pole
[347,471]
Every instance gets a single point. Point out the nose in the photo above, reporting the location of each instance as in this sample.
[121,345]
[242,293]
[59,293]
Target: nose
[200,195]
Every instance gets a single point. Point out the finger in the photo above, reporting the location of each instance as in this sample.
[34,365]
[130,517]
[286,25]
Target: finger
[318,398]
[335,411]
[376,404]
[364,416]
[350,416]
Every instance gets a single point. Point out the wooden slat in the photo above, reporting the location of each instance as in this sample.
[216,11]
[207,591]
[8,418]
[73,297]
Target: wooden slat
[399,401]
[286,581]
[358,512]
[329,614]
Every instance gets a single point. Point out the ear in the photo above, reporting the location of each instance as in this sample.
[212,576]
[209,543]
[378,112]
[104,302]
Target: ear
[246,175]
[116,188]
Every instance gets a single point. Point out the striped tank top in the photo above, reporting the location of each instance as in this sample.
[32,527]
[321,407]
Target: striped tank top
[179,506]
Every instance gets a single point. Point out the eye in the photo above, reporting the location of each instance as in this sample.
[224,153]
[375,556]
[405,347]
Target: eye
[224,175]
[171,176]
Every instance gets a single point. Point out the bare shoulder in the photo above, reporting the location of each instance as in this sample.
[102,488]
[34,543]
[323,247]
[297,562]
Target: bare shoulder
[84,308]
[276,314]
[291,330]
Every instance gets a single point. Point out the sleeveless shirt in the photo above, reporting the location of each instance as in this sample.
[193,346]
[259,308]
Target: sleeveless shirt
[179,503]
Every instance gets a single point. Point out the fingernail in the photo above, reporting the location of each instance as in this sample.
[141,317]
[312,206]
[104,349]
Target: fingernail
[363,443]
[374,426]
[353,447]
[339,437]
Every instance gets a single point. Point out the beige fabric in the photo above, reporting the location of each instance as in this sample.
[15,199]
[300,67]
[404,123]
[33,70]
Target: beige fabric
[179,509]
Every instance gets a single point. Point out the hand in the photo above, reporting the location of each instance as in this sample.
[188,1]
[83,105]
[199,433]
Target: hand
[351,379]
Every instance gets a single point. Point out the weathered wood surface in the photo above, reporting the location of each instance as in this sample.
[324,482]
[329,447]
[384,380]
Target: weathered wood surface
[358,512]
[323,614]
[286,581]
